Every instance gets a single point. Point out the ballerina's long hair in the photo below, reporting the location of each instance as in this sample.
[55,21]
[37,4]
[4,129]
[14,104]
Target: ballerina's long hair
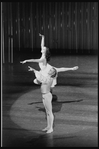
[47,55]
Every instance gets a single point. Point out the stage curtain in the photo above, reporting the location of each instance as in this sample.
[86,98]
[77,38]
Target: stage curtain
[69,26]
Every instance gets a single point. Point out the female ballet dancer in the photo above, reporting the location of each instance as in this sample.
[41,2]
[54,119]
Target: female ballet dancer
[46,83]
[43,61]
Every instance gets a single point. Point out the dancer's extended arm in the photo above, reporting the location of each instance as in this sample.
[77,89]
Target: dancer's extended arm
[62,69]
[36,60]
[42,41]
[33,60]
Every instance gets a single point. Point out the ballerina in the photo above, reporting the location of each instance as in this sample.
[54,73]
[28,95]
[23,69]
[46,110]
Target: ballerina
[43,60]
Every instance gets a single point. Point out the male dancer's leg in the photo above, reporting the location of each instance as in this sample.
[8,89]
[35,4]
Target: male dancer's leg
[48,120]
[48,105]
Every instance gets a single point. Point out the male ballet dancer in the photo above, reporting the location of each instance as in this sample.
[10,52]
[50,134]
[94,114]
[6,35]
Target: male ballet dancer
[46,83]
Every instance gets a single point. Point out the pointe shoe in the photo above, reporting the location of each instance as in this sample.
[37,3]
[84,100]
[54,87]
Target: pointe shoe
[50,130]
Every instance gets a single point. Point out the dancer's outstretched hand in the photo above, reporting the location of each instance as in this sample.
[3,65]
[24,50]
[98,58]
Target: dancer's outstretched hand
[41,35]
[75,68]
[23,62]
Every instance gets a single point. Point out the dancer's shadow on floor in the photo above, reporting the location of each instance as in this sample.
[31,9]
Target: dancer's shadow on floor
[57,105]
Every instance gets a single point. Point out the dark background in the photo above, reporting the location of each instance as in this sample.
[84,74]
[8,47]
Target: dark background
[69,28]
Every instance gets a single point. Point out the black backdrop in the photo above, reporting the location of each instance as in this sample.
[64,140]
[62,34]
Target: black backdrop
[69,27]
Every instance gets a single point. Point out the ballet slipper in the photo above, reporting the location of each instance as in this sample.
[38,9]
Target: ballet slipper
[45,129]
[50,130]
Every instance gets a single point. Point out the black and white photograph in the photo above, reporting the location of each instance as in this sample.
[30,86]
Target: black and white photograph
[49,74]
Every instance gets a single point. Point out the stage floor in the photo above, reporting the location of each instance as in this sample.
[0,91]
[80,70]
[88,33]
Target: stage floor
[75,111]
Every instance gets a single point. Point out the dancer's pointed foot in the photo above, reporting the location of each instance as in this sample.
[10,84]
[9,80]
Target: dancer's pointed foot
[50,130]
